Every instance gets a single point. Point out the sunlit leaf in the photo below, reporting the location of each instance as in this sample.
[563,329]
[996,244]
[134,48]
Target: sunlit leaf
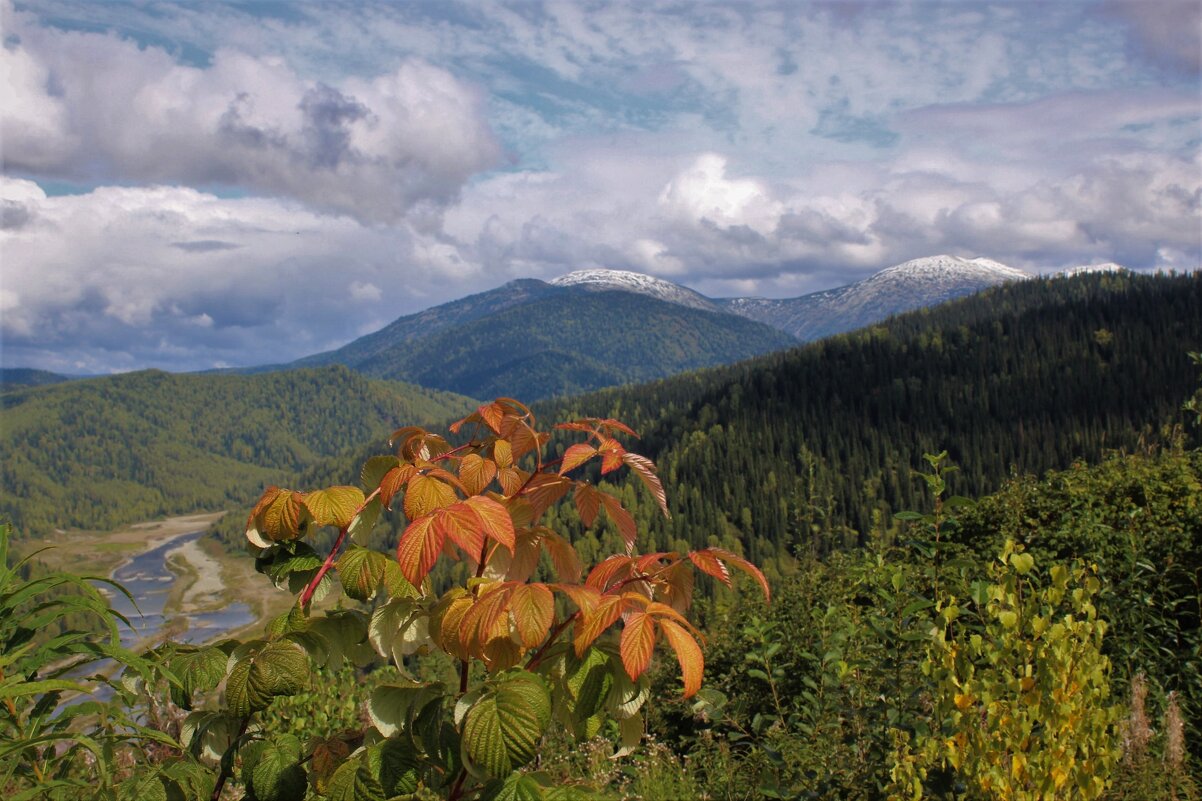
[503,728]
[622,519]
[588,503]
[592,623]
[495,519]
[711,565]
[637,643]
[394,481]
[746,567]
[476,473]
[644,468]
[575,456]
[418,549]
[533,610]
[563,557]
[361,572]
[425,494]
[688,653]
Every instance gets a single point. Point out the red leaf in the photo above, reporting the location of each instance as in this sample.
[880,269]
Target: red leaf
[494,518]
[611,570]
[638,641]
[393,481]
[544,490]
[611,455]
[710,565]
[418,549]
[593,622]
[588,503]
[575,456]
[747,568]
[463,526]
[644,468]
[688,653]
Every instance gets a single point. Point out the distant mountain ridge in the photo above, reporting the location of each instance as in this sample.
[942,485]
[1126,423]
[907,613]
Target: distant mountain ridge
[904,287]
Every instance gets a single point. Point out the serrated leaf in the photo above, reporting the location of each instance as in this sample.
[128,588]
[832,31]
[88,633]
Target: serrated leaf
[518,787]
[276,775]
[588,503]
[327,755]
[476,472]
[391,706]
[208,735]
[361,527]
[418,550]
[502,730]
[279,668]
[644,468]
[199,670]
[394,481]
[622,519]
[425,494]
[495,520]
[533,610]
[637,643]
[711,565]
[335,506]
[746,567]
[592,623]
[688,654]
[361,572]
[280,516]
[374,470]
[396,764]
[563,557]
[575,456]
[354,781]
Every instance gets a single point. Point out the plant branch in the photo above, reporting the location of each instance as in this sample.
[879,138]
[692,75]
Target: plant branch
[307,595]
[227,761]
[537,656]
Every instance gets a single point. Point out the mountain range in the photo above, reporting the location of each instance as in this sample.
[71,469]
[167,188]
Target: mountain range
[595,328]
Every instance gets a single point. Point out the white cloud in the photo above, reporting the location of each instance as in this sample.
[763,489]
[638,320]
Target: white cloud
[93,107]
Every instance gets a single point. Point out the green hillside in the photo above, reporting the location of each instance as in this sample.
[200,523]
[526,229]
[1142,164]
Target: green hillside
[556,343]
[101,452]
[815,447]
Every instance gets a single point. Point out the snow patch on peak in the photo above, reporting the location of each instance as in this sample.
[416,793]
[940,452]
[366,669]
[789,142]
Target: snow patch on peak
[1108,267]
[944,266]
[599,280]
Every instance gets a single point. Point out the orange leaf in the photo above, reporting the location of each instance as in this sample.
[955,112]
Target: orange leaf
[426,494]
[533,610]
[588,503]
[502,454]
[688,653]
[393,481]
[476,473]
[575,456]
[676,589]
[563,557]
[479,625]
[463,526]
[710,565]
[450,478]
[611,455]
[638,641]
[511,479]
[522,437]
[585,598]
[494,518]
[492,414]
[526,552]
[592,623]
[747,568]
[644,468]
[612,569]
[544,490]
[622,519]
[446,634]
[418,549]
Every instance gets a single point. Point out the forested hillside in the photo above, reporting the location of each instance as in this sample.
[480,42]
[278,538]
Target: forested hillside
[552,342]
[101,452]
[815,447]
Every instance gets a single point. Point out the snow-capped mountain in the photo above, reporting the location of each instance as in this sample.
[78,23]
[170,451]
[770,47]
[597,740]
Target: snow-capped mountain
[903,287]
[599,280]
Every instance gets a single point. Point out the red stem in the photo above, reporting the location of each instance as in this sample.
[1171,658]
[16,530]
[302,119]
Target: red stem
[307,595]
[537,656]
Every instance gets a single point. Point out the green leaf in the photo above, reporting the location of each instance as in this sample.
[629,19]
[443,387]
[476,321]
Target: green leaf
[396,764]
[518,787]
[1022,562]
[361,572]
[361,527]
[279,668]
[209,734]
[276,774]
[354,781]
[503,729]
[335,506]
[199,670]
[391,707]
[374,469]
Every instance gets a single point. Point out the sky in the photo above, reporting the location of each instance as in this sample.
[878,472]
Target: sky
[195,185]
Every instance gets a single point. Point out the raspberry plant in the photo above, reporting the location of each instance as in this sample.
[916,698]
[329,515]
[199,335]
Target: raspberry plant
[530,653]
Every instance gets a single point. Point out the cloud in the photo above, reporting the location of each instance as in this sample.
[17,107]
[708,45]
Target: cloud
[119,278]
[95,107]
[1167,32]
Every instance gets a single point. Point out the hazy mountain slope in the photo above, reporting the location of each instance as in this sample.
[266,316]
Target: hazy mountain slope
[13,377]
[912,285]
[99,452]
[568,342]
